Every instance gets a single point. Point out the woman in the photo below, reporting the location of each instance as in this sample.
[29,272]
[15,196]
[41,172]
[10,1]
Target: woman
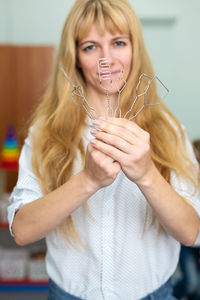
[113,209]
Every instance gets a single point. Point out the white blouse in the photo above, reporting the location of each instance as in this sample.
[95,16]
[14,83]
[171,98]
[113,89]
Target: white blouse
[118,261]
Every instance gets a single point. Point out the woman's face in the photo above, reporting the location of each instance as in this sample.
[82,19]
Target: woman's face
[116,48]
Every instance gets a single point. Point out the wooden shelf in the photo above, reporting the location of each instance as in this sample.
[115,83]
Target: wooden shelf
[14,166]
[8,168]
[4,225]
[32,65]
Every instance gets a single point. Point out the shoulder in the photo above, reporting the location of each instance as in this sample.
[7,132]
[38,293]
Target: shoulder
[26,151]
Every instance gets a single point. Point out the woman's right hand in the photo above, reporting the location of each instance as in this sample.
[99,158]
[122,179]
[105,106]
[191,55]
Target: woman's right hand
[100,169]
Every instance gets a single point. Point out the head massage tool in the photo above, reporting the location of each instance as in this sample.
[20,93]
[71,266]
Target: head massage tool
[106,76]
[144,95]
[79,99]
[106,82]
[105,79]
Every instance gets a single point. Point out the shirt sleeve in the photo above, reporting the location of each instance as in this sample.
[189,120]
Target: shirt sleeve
[27,188]
[183,186]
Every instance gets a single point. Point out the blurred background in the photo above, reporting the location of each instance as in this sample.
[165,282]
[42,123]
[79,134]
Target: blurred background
[29,35]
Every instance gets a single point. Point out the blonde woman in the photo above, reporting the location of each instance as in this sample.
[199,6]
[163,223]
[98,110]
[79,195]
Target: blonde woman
[113,202]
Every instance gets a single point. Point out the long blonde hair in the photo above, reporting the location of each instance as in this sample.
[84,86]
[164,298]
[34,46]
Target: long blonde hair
[59,123]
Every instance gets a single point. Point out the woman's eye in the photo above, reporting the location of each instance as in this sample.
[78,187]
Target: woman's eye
[120,43]
[88,48]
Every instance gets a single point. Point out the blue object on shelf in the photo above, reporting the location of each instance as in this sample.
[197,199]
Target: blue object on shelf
[23,287]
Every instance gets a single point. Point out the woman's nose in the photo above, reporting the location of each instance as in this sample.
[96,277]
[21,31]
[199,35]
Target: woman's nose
[107,53]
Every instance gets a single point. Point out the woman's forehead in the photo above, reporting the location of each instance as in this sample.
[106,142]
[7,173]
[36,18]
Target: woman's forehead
[101,29]
[95,33]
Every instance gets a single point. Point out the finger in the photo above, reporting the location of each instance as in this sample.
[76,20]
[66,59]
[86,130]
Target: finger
[113,140]
[117,166]
[126,124]
[98,155]
[121,127]
[90,147]
[109,150]
[116,130]
[129,127]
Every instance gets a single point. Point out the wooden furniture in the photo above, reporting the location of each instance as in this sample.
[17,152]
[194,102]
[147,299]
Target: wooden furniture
[23,78]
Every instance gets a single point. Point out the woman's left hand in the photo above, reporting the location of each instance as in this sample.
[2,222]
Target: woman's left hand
[128,144]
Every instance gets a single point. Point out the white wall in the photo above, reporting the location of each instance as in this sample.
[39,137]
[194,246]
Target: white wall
[32,21]
[170,30]
[180,64]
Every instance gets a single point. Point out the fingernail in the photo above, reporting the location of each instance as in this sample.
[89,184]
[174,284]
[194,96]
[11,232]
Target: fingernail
[93,127]
[93,141]
[93,131]
[97,122]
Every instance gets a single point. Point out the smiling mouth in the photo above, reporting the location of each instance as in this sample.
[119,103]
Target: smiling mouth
[107,74]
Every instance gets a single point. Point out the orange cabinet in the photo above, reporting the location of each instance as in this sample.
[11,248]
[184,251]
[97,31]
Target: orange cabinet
[23,78]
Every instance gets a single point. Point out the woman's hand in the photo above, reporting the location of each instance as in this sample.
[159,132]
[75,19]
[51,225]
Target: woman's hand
[100,169]
[128,144]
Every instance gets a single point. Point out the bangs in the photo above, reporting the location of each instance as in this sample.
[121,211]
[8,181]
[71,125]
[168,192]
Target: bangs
[105,18]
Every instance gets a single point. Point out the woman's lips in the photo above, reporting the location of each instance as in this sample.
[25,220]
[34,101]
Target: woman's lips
[109,73]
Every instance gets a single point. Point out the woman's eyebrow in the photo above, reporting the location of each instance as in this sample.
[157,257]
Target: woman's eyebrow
[87,41]
[121,37]
[96,42]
